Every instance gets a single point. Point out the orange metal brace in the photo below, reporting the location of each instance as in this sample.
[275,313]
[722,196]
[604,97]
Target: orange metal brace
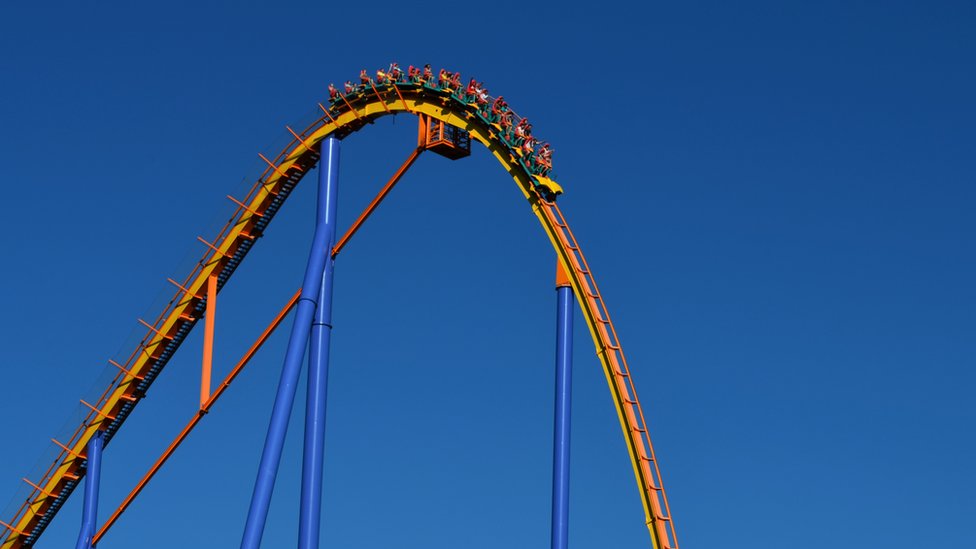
[208,339]
[12,529]
[326,111]
[379,97]
[421,131]
[127,372]
[212,247]
[97,411]
[276,168]
[245,206]
[562,277]
[153,328]
[197,417]
[354,111]
[302,141]
[39,489]
[69,450]
[376,201]
[185,291]
[402,101]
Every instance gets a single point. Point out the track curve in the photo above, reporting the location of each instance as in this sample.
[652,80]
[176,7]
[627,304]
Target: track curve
[255,212]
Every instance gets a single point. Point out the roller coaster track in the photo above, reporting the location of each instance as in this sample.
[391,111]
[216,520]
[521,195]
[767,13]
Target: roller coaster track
[224,253]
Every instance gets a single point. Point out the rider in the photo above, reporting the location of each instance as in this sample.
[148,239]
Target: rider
[395,73]
[544,159]
[363,79]
[333,92]
[520,130]
[482,98]
[499,106]
[349,87]
[506,123]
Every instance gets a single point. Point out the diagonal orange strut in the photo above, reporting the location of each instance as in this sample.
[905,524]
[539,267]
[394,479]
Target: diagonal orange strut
[196,418]
[208,339]
[376,201]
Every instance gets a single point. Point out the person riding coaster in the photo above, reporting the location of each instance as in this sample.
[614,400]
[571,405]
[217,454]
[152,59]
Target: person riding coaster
[543,160]
[523,131]
[482,96]
[395,74]
[497,108]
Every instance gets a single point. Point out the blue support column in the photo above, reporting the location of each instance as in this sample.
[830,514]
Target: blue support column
[561,427]
[318,379]
[93,475]
[295,354]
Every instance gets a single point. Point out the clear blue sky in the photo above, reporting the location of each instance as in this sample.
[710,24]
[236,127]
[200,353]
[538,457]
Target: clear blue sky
[777,199]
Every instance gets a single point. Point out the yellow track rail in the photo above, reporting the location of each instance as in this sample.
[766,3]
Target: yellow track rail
[285,170]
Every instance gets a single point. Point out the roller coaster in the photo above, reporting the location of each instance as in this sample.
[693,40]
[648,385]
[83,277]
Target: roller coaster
[449,117]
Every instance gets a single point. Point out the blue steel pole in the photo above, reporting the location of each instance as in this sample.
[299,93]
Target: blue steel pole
[561,427]
[318,378]
[93,474]
[321,253]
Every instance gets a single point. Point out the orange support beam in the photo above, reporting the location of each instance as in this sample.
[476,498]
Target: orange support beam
[244,207]
[39,489]
[212,247]
[376,201]
[69,450]
[208,339]
[300,139]
[326,111]
[97,411]
[12,529]
[562,277]
[273,166]
[354,111]
[378,97]
[196,418]
[402,100]
[127,372]
[154,329]
[422,131]
[180,286]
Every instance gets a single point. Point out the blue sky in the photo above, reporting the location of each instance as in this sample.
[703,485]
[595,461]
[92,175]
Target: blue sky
[776,198]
